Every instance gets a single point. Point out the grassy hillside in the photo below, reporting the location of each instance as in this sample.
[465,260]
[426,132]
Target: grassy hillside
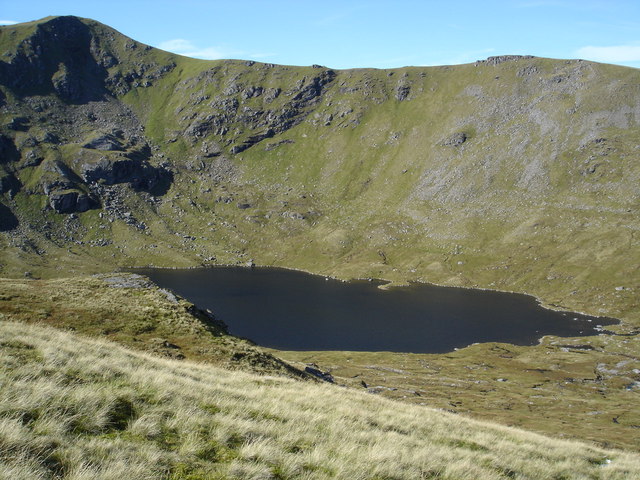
[584,389]
[77,408]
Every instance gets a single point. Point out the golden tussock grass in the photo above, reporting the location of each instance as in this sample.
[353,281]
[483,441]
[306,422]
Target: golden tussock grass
[76,408]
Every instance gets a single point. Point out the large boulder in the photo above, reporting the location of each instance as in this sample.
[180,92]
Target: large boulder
[456,139]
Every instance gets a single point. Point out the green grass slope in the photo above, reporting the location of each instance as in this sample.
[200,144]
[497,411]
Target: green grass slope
[79,409]
[584,388]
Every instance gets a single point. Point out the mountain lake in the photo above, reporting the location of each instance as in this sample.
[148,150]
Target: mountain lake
[292,310]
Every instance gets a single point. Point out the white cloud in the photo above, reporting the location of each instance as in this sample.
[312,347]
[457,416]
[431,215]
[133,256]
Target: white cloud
[188,49]
[7,22]
[337,18]
[177,45]
[614,54]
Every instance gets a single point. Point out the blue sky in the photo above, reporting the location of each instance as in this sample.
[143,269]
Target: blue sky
[374,33]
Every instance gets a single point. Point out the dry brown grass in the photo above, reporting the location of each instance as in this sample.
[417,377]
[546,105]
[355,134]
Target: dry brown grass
[84,409]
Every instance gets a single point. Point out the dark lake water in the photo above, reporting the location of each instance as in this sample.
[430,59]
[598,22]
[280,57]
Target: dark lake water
[291,310]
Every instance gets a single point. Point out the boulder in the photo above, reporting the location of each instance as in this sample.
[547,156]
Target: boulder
[108,143]
[402,92]
[326,376]
[210,149]
[271,94]
[251,92]
[456,139]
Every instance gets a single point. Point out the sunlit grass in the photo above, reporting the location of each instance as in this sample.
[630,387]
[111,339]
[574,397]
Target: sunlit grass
[77,408]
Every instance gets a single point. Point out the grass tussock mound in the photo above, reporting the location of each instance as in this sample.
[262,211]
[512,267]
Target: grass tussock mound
[75,408]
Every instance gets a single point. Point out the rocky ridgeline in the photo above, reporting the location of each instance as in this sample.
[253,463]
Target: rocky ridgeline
[497,60]
[232,122]
[77,59]
[65,80]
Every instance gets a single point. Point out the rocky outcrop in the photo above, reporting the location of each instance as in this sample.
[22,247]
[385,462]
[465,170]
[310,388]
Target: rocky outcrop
[402,90]
[271,146]
[9,184]
[313,370]
[139,174]
[56,58]
[71,201]
[252,125]
[8,221]
[67,84]
[65,56]
[8,151]
[497,60]
[252,141]
[106,142]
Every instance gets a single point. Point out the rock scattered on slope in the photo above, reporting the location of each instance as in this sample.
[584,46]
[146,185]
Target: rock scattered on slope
[456,139]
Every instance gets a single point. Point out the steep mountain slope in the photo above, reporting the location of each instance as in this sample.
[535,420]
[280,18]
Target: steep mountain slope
[514,173]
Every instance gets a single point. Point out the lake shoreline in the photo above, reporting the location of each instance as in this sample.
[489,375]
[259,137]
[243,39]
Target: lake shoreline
[428,319]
